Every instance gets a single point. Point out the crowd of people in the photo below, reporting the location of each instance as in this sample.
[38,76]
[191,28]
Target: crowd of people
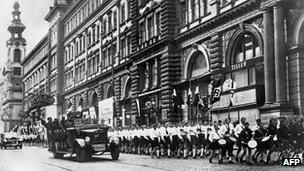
[238,141]
[31,133]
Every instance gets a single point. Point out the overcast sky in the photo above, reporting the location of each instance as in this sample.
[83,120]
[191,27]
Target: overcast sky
[32,16]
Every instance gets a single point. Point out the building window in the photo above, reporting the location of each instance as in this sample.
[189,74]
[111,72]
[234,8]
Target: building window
[142,32]
[110,22]
[150,28]
[195,9]
[246,48]
[155,73]
[157,23]
[199,65]
[17,71]
[184,12]
[17,56]
[115,19]
[53,85]
[93,34]
[123,48]
[147,76]
[89,38]
[123,10]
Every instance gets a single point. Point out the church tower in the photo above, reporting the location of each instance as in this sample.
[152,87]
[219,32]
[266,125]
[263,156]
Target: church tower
[12,72]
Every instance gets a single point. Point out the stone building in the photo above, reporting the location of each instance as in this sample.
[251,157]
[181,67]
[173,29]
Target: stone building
[43,73]
[96,56]
[12,72]
[127,61]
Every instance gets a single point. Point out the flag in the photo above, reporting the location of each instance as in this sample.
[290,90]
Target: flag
[216,90]
[177,100]
[196,96]
[190,98]
[201,102]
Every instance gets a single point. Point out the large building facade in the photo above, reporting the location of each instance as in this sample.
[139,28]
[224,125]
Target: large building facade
[43,73]
[12,72]
[126,61]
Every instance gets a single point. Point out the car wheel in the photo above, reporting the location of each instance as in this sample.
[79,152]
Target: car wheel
[20,146]
[16,147]
[115,152]
[5,147]
[80,154]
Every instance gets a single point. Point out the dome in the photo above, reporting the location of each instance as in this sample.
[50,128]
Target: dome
[16,5]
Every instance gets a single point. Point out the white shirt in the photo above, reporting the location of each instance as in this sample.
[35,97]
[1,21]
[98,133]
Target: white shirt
[193,130]
[255,127]
[214,136]
[223,129]
[238,129]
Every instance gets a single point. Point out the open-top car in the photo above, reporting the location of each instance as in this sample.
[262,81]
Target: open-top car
[10,139]
[85,141]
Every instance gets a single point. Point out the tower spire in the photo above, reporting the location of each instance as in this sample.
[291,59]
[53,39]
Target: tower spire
[16,28]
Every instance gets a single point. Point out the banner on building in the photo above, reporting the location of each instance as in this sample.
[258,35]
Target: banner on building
[106,111]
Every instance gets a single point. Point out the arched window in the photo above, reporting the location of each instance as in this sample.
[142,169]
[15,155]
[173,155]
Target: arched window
[199,65]
[17,55]
[128,89]
[109,92]
[246,47]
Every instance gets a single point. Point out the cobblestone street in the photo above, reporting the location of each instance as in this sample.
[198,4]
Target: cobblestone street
[38,159]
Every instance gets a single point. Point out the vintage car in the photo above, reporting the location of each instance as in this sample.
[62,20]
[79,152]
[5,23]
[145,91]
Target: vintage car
[10,139]
[86,140]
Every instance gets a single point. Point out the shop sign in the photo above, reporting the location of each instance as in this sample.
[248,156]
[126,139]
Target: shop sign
[41,100]
[238,66]
[106,111]
[239,98]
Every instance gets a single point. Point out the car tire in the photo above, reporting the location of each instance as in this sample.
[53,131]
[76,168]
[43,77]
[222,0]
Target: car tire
[5,147]
[115,152]
[20,146]
[80,154]
[16,147]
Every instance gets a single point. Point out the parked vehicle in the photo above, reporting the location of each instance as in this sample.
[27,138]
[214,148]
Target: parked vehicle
[84,141]
[10,139]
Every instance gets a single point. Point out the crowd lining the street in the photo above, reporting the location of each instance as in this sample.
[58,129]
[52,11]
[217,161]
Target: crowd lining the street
[32,134]
[239,142]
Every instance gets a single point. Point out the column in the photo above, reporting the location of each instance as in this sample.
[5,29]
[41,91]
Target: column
[269,68]
[280,54]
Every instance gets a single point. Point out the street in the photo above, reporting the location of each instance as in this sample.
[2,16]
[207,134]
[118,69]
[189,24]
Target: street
[39,159]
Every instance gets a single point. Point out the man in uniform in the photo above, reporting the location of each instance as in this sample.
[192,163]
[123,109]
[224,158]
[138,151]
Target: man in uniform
[259,134]
[245,137]
[237,131]
[49,128]
[214,138]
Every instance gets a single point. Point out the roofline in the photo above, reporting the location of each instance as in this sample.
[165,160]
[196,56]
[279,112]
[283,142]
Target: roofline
[53,9]
[45,38]
[73,7]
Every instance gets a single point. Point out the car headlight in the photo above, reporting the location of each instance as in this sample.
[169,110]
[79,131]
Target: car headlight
[5,140]
[87,139]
